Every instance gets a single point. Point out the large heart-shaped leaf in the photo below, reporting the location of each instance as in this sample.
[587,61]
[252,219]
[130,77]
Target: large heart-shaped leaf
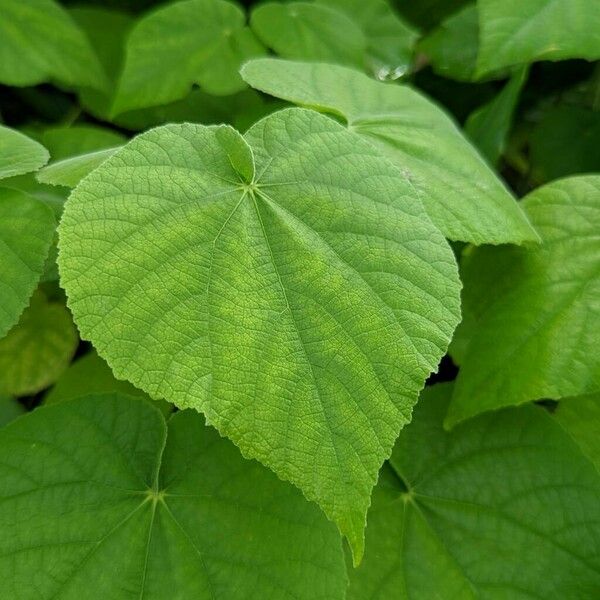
[311,31]
[504,506]
[40,42]
[26,232]
[522,31]
[289,285]
[97,500]
[19,154]
[461,193]
[189,42]
[530,327]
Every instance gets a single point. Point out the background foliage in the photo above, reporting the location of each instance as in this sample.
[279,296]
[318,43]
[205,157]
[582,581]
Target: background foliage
[300,299]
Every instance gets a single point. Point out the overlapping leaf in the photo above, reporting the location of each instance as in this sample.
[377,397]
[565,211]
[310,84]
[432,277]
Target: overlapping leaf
[452,47]
[26,233]
[580,417]
[530,315]
[101,498]
[37,350]
[88,375]
[461,193]
[289,285]
[40,42]
[188,42]
[504,506]
[310,31]
[70,171]
[390,39]
[490,124]
[522,31]
[19,154]
[10,409]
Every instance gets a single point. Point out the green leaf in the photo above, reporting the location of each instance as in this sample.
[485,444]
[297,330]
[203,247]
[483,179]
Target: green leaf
[40,42]
[462,195]
[309,31]
[513,32]
[288,285]
[580,417]
[490,124]
[529,330]
[91,375]
[10,409]
[565,127]
[390,40]
[190,42]
[243,108]
[19,154]
[504,506]
[65,142]
[428,13]
[38,349]
[70,171]
[26,232]
[100,498]
[76,151]
[452,47]
[107,31]
[88,375]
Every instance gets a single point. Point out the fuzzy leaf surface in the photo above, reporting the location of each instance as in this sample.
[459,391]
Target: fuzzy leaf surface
[289,285]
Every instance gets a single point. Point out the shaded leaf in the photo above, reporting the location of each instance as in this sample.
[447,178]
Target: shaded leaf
[10,409]
[580,417]
[40,42]
[452,47]
[101,491]
[107,29]
[523,31]
[19,154]
[189,42]
[26,233]
[70,171]
[390,40]
[310,31]
[504,506]
[37,350]
[565,142]
[490,124]
[529,329]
